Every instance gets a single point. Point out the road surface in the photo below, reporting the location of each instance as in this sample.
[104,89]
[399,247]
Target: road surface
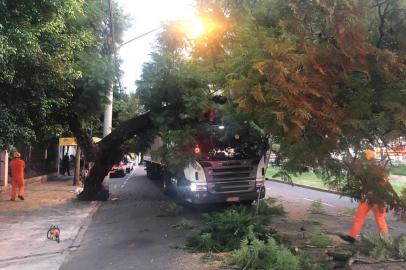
[128,233]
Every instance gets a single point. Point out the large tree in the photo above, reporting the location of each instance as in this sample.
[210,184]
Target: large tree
[56,66]
[325,79]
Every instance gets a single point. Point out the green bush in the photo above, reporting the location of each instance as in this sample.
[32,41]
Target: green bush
[270,206]
[170,209]
[256,254]
[225,230]
[383,248]
[318,239]
[183,224]
[316,207]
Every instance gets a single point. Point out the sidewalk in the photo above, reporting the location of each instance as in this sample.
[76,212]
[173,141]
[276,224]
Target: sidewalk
[24,225]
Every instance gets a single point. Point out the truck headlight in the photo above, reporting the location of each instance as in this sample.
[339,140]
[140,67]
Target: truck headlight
[194,187]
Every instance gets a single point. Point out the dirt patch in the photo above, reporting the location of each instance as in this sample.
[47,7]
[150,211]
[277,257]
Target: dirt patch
[203,261]
[39,195]
[380,266]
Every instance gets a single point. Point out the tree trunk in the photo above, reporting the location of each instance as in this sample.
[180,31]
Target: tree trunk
[109,152]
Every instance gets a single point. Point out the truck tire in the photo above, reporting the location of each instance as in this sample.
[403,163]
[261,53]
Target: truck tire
[154,171]
[148,169]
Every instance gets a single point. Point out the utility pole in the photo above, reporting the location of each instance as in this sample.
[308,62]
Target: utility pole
[108,113]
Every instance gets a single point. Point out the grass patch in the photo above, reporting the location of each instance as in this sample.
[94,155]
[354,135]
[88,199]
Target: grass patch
[170,209]
[398,170]
[312,180]
[183,224]
[306,178]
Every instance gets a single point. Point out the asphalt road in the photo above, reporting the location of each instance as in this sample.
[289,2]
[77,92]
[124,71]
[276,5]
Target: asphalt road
[331,202]
[127,232]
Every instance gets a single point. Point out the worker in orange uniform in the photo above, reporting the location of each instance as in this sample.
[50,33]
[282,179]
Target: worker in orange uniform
[364,207]
[17,166]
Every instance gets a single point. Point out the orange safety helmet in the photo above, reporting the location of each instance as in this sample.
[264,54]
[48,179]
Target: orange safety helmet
[369,154]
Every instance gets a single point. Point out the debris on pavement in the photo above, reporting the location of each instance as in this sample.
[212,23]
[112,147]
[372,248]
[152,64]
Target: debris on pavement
[53,233]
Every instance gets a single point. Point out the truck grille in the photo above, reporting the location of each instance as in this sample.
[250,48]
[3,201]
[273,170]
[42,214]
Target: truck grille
[230,176]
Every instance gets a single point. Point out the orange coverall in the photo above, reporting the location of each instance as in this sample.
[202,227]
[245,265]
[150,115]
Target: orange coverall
[362,212]
[17,171]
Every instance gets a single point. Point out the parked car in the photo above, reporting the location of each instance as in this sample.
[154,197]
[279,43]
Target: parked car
[118,170]
[127,160]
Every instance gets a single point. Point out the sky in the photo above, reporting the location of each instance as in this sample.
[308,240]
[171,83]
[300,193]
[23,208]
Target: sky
[145,16]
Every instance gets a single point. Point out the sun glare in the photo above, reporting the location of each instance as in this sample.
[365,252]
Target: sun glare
[194,28]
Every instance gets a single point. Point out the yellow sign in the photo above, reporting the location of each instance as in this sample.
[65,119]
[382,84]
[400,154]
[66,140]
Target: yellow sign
[71,141]
[96,139]
[67,141]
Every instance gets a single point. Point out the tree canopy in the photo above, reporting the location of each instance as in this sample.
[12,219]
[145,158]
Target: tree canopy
[323,79]
[55,61]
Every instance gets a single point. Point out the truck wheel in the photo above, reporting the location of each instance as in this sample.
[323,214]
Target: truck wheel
[148,168]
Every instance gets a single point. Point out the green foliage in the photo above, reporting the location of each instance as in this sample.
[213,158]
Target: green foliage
[313,79]
[316,207]
[170,209]
[55,62]
[318,239]
[184,224]
[284,175]
[383,248]
[318,77]
[256,254]
[270,206]
[225,230]
[398,170]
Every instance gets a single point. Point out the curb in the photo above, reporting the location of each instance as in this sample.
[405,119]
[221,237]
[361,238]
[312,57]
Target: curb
[82,230]
[303,186]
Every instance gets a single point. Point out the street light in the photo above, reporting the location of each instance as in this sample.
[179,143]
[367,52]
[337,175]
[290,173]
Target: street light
[193,28]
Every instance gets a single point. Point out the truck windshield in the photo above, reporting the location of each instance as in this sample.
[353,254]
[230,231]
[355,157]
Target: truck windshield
[222,142]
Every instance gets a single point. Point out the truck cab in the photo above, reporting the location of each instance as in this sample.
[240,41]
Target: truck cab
[229,166]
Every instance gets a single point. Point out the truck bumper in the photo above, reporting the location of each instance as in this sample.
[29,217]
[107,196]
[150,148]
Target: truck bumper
[204,197]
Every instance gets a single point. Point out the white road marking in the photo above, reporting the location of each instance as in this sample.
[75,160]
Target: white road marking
[127,178]
[321,202]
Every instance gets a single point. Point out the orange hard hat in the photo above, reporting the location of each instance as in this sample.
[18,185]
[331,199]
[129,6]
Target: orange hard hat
[369,154]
